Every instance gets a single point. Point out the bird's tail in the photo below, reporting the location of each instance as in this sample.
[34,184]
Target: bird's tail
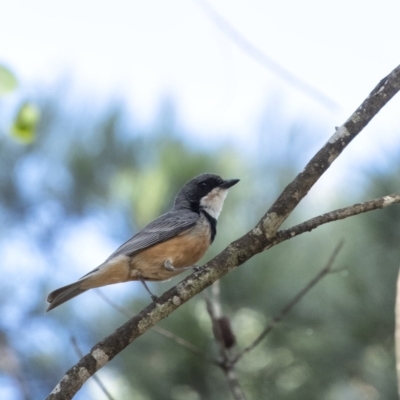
[64,294]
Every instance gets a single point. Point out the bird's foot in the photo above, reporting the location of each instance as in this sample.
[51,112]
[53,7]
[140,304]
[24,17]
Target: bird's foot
[153,296]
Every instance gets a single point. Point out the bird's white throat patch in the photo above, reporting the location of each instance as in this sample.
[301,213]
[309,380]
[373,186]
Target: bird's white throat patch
[213,201]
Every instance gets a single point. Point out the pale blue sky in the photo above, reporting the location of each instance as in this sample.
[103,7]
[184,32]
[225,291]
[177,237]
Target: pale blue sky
[153,48]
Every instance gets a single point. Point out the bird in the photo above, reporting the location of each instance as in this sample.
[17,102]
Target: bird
[165,247]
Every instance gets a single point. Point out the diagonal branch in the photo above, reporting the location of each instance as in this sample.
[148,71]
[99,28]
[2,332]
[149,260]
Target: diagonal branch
[78,351]
[238,252]
[341,213]
[158,329]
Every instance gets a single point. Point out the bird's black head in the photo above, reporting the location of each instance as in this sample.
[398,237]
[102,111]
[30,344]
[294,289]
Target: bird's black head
[206,191]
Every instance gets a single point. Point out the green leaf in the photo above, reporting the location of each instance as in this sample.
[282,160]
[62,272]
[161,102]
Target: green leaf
[25,124]
[8,82]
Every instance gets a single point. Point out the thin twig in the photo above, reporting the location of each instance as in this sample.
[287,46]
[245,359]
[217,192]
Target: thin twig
[161,331]
[335,215]
[213,304]
[289,306]
[264,60]
[95,377]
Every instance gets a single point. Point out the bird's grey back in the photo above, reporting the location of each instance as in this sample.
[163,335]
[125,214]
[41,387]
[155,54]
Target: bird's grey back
[161,229]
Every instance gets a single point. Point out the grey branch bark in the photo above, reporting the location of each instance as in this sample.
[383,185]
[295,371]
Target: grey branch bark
[102,387]
[258,239]
[161,331]
[336,215]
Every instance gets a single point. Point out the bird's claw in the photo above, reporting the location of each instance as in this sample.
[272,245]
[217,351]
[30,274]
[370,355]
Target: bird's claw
[155,298]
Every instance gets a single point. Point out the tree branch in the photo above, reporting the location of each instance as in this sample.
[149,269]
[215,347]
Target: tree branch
[78,351]
[161,331]
[238,252]
[336,215]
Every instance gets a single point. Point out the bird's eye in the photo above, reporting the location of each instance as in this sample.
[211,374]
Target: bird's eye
[203,185]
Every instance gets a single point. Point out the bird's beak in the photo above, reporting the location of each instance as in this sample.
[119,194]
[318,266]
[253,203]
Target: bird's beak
[229,183]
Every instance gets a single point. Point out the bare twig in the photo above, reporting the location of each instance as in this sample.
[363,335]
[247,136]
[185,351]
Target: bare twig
[336,215]
[95,377]
[289,306]
[238,252]
[264,60]
[161,331]
[214,310]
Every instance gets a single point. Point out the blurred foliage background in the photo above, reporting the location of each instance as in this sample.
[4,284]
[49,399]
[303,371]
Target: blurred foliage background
[88,178]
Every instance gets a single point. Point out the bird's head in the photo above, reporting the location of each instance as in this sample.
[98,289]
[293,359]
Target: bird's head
[204,192]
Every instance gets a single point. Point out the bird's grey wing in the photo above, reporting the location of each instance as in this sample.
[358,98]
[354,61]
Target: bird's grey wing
[161,229]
